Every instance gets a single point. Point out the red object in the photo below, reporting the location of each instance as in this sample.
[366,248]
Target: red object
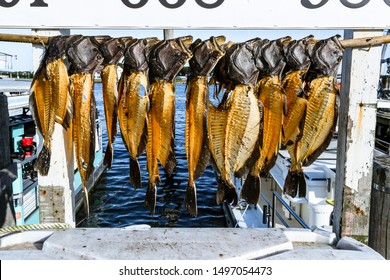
[27,141]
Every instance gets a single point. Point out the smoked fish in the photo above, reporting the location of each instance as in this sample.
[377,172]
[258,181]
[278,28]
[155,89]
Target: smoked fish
[50,99]
[112,50]
[206,54]
[166,59]
[134,103]
[272,97]
[84,57]
[234,126]
[298,63]
[321,113]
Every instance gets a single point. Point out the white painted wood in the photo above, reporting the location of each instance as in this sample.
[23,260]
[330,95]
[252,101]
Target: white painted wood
[357,120]
[56,195]
[275,14]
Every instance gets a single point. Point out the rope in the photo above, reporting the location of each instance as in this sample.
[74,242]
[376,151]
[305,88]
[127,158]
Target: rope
[34,227]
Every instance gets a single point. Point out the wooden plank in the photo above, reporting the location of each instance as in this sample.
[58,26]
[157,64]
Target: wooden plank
[360,74]
[168,34]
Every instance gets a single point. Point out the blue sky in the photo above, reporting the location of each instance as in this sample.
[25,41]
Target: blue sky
[24,51]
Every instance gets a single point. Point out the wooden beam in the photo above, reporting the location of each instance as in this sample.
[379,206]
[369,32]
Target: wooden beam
[356,138]
[168,34]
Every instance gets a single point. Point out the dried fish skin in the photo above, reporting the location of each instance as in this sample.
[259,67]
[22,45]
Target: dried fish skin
[205,56]
[166,59]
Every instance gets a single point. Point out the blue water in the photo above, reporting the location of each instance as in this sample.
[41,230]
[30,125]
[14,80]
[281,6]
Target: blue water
[115,203]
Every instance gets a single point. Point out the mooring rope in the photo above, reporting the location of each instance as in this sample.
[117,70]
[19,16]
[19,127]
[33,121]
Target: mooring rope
[35,227]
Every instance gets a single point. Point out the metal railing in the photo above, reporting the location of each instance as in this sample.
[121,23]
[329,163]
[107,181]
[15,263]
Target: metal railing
[272,206]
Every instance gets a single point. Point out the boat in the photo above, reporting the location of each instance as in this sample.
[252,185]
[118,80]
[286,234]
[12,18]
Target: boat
[24,148]
[276,209]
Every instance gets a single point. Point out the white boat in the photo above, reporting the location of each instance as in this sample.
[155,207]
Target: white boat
[24,148]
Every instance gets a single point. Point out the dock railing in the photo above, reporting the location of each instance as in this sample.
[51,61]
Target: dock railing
[272,205]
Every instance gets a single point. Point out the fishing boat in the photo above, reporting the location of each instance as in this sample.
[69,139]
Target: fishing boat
[276,209]
[24,148]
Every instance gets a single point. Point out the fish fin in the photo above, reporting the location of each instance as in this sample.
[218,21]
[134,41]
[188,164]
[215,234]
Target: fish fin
[42,163]
[108,156]
[251,189]
[190,202]
[226,192]
[295,181]
[170,163]
[68,115]
[151,196]
[91,167]
[144,139]
[268,166]
[135,174]
[204,157]
[86,201]
[34,110]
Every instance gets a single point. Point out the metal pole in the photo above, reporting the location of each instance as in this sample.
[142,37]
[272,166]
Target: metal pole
[168,34]
[273,209]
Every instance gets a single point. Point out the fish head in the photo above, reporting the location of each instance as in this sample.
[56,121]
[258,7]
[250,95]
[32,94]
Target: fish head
[241,66]
[84,55]
[136,55]
[272,56]
[258,58]
[112,49]
[327,55]
[206,54]
[297,55]
[56,48]
[168,57]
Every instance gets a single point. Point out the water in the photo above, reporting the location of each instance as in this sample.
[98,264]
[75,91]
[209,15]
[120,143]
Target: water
[115,203]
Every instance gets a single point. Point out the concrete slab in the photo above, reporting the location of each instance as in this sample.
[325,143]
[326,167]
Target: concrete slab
[166,244]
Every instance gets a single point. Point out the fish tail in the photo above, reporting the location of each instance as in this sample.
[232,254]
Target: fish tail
[86,201]
[151,195]
[108,157]
[226,192]
[295,181]
[135,174]
[190,202]
[251,189]
[43,161]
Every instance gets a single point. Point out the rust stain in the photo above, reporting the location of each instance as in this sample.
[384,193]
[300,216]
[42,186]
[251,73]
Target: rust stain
[357,210]
[360,118]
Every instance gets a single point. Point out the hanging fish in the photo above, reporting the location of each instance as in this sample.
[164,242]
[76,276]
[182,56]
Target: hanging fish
[84,57]
[321,113]
[271,94]
[50,99]
[298,63]
[234,127]
[166,59]
[206,54]
[134,103]
[112,50]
